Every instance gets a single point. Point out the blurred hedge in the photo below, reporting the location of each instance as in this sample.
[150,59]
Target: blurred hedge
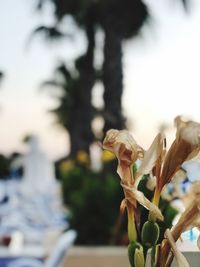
[93,199]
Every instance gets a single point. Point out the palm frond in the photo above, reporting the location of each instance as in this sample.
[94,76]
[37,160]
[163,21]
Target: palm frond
[62,69]
[49,32]
[52,83]
[56,89]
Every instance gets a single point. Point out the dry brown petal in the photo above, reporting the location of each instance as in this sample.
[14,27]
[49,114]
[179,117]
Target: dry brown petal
[123,145]
[176,155]
[133,195]
[151,157]
[185,147]
[179,123]
[191,132]
[181,260]
[187,219]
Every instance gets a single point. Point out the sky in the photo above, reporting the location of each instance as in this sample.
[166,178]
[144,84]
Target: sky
[161,74]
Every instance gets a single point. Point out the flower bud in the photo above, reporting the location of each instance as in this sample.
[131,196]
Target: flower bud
[150,234]
[135,254]
[139,257]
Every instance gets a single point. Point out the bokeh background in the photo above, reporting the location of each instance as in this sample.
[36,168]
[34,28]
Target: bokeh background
[71,70]
[160,65]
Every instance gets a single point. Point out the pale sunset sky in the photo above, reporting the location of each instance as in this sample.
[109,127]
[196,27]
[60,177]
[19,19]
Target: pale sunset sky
[161,74]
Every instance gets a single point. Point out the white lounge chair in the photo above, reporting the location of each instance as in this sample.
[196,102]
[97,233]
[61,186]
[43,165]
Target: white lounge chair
[56,257]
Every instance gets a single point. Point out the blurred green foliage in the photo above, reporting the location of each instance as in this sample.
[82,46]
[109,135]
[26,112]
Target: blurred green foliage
[93,199]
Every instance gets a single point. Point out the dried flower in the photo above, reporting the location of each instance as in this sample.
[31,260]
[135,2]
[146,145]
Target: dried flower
[127,152]
[185,147]
[189,218]
[181,260]
[122,144]
[162,166]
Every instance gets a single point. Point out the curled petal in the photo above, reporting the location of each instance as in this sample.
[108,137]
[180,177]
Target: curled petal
[123,145]
[180,124]
[191,132]
[133,195]
[180,258]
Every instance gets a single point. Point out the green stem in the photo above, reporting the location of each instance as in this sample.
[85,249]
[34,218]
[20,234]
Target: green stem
[156,199]
[132,233]
[153,252]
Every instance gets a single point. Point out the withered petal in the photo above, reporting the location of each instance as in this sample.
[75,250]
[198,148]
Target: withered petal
[123,145]
[151,157]
[180,258]
[133,195]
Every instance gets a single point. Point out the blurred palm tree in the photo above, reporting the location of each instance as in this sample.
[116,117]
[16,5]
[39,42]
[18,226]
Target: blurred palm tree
[49,32]
[119,20]
[77,90]
[70,109]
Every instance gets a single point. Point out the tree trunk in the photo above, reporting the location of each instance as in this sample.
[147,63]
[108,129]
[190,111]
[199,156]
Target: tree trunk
[112,79]
[82,135]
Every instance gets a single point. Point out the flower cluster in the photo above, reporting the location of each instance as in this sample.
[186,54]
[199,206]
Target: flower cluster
[161,165]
